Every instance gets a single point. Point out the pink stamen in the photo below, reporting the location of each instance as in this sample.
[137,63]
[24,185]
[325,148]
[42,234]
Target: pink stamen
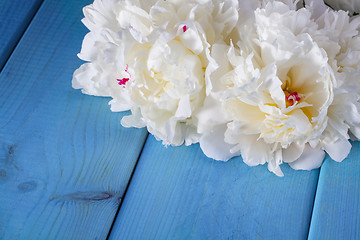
[185,28]
[123,81]
[292,98]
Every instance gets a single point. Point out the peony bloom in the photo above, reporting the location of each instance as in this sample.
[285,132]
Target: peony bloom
[151,57]
[270,80]
[280,91]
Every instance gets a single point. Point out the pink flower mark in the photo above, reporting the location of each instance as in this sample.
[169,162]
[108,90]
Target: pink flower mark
[185,28]
[123,81]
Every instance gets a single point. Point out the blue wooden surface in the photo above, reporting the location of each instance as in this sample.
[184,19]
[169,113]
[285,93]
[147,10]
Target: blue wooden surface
[337,205]
[15,15]
[178,193]
[65,160]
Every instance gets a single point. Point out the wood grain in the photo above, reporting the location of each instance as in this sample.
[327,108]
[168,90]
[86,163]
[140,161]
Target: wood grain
[178,193]
[65,160]
[337,205]
[15,16]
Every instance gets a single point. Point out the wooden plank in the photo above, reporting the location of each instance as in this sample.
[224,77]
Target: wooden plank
[15,16]
[65,160]
[336,212]
[178,193]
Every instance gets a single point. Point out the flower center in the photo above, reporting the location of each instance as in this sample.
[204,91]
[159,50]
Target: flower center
[185,28]
[292,98]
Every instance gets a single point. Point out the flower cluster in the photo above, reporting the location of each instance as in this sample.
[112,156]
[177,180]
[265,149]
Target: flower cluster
[271,80]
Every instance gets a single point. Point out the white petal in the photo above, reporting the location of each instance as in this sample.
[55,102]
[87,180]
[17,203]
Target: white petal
[173,132]
[218,52]
[251,121]
[89,51]
[94,19]
[293,152]
[311,158]
[191,136]
[191,39]
[91,80]
[253,151]
[317,7]
[137,18]
[173,127]
[116,106]
[212,66]
[226,18]
[338,150]
[274,164]
[184,108]
[273,84]
[211,115]
[133,120]
[214,146]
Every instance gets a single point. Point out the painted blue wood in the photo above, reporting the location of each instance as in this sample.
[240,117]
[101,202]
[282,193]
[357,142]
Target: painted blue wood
[178,193]
[65,160]
[15,16]
[336,212]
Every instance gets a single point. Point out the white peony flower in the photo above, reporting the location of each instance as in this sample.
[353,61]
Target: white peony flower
[279,94]
[150,57]
[340,38]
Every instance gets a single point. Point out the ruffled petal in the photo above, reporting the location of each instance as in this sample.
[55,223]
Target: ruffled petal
[293,152]
[274,164]
[133,120]
[116,106]
[91,79]
[338,150]
[317,7]
[211,115]
[253,151]
[311,158]
[214,146]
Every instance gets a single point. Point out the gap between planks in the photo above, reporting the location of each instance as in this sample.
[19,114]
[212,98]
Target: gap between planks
[28,23]
[127,187]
